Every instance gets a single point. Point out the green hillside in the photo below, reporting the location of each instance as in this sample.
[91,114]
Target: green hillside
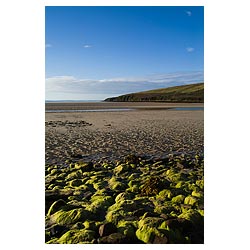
[184,93]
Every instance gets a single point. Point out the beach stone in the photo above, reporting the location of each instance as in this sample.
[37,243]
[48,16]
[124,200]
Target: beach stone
[190,200]
[132,159]
[56,206]
[57,230]
[123,196]
[99,206]
[197,194]
[127,228]
[147,234]
[153,186]
[74,175]
[165,194]
[75,183]
[78,225]
[84,166]
[115,238]
[178,199]
[90,225]
[160,240]
[53,195]
[150,221]
[107,229]
[69,217]
[122,169]
[116,185]
[75,236]
[100,185]
[200,184]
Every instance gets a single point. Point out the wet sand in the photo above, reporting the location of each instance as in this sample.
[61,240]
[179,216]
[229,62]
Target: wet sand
[148,130]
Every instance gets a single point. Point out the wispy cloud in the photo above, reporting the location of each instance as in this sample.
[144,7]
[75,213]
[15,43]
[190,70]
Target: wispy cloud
[189,13]
[190,49]
[87,46]
[47,45]
[69,87]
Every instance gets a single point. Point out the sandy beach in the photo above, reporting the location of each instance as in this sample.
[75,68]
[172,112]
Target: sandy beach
[148,129]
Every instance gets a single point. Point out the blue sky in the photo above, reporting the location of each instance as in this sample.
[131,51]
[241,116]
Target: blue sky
[98,52]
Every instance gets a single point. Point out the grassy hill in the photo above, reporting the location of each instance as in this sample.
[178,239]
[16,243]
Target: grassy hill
[184,93]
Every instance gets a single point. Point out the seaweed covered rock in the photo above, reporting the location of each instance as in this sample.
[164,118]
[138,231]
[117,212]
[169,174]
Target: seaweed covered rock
[132,201]
[117,185]
[132,159]
[190,200]
[84,166]
[122,168]
[77,236]
[99,205]
[178,199]
[123,196]
[57,205]
[150,221]
[128,228]
[149,234]
[153,186]
[192,215]
[115,238]
[165,194]
[74,175]
[69,217]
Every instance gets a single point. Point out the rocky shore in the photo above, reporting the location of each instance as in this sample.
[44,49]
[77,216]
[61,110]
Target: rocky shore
[124,177]
[135,200]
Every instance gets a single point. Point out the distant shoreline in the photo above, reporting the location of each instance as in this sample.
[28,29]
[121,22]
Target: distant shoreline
[71,106]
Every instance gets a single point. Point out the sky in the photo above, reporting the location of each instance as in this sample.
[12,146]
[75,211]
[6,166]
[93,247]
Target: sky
[97,52]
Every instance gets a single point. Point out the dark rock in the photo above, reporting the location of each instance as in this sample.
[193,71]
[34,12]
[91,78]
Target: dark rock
[76,156]
[115,238]
[160,240]
[132,159]
[57,230]
[107,229]
[139,212]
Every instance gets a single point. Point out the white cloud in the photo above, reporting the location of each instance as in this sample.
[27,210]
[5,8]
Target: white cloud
[87,46]
[69,87]
[190,49]
[189,13]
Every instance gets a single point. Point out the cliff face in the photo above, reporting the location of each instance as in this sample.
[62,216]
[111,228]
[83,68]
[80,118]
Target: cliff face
[184,93]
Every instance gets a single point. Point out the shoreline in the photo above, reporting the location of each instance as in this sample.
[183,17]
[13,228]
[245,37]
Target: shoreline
[116,105]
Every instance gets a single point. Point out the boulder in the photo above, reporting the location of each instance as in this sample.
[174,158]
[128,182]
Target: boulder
[69,217]
[127,228]
[147,234]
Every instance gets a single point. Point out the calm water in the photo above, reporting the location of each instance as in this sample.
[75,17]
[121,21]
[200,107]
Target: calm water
[121,109]
[188,108]
[87,110]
